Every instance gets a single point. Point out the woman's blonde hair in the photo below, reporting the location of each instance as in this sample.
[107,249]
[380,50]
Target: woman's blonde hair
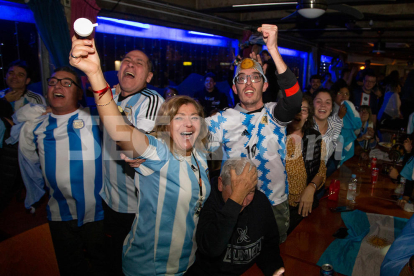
[166,114]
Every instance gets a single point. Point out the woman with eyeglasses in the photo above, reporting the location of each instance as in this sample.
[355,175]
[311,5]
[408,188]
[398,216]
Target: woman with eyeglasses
[351,120]
[173,185]
[305,166]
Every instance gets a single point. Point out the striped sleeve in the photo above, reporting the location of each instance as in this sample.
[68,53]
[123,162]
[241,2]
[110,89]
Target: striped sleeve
[35,98]
[147,112]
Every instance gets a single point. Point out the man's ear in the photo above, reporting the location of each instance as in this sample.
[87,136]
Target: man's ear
[149,77]
[234,88]
[28,81]
[265,86]
[220,184]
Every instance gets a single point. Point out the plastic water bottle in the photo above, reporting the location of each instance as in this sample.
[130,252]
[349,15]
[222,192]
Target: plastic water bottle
[352,186]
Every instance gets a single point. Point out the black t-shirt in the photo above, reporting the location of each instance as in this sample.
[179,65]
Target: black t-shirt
[211,101]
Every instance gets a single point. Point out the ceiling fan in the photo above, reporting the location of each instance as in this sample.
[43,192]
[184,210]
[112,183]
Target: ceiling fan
[315,8]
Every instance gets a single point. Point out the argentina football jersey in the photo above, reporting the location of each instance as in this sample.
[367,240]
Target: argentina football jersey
[119,190]
[69,148]
[259,137]
[162,238]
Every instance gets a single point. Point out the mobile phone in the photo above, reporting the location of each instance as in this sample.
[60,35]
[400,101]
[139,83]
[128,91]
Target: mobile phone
[341,209]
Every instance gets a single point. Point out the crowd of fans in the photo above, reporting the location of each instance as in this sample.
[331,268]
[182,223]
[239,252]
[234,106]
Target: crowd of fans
[137,193]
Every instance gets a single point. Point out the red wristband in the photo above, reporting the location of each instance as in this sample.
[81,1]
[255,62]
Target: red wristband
[102,91]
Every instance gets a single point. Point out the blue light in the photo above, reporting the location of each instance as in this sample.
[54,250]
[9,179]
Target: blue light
[327,59]
[15,12]
[125,22]
[288,52]
[119,27]
[199,33]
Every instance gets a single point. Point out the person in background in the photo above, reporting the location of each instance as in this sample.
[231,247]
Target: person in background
[315,83]
[389,116]
[67,143]
[305,165]
[407,96]
[329,124]
[366,134]
[17,80]
[351,120]
[365,95]
[367,70]
[210,98]
[170,92]
[236,218]
[407,172]
[328,81]
[269,69]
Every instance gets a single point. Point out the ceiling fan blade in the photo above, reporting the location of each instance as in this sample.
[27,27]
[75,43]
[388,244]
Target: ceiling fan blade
[290,15]
[264,4]
[334,2]
[347,10]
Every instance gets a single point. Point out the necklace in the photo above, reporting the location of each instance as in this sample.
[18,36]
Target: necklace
[200,200]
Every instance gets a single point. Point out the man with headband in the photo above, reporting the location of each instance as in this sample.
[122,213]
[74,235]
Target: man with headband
[258,131]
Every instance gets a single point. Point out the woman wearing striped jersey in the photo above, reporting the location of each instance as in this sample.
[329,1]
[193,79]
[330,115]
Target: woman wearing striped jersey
[173,185]
[329,124]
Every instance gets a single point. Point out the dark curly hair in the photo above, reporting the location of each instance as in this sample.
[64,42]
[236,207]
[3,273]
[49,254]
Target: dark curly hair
[309,124]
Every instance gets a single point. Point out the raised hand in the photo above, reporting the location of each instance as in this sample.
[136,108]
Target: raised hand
[269,35]
[84,56]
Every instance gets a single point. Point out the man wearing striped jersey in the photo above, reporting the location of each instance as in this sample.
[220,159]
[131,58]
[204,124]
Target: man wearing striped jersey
[67,142]
[140,106]
[17,79]
[258,131]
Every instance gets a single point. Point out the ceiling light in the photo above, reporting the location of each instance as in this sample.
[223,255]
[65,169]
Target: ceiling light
[379,48]
[311,12]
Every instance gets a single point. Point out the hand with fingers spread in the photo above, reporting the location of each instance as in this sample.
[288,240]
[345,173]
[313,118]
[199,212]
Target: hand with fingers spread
[242,184]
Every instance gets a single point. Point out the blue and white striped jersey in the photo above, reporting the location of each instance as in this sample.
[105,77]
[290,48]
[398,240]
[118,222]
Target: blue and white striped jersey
[69,147]
[162,238]
[259,137]
[119,190]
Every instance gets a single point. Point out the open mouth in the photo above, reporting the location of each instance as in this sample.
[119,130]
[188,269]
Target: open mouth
[323,111]
[58,95]
[187,134]
[129,74]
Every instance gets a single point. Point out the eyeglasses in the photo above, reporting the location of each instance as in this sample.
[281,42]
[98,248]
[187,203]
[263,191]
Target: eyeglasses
[242,78]
[304,110]
[343,94]
[64,82]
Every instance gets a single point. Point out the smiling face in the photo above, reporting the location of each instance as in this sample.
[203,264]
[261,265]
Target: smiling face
[185,128]
[250,94]
[16,78]
[323,105]
[364,114]
[134,73]
[342,95]
[209,84]
[369,83]
[63,100]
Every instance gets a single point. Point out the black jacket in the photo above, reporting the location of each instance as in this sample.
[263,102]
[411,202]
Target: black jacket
[211,100]
[311,152]
[230,242]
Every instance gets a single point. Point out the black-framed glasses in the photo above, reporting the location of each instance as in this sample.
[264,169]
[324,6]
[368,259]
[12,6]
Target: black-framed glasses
[304,110]
[242,78]
[66,82]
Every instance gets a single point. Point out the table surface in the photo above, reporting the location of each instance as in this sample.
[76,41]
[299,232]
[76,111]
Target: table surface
[305,245]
